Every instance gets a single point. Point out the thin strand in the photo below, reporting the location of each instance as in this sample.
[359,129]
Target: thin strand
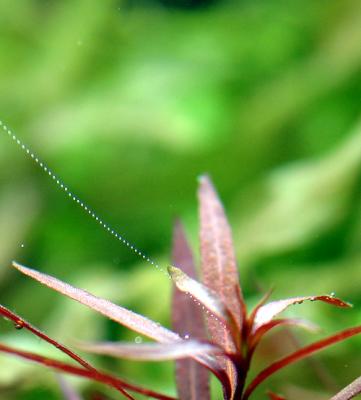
[76,200]
[93,215]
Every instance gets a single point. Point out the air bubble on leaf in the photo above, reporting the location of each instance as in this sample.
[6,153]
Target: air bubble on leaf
[138,340]
[22,245]
[332,294]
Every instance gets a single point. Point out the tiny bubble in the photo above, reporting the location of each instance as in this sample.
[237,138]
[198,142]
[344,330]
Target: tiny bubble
[19,325]
[186,337]
[332,294]
[22,245]
[138,340]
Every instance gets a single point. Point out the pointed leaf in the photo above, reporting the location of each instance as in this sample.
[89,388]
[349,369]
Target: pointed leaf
[188,321]
[205,298]
[82,372]
[201,293]
[152,351]
[219,269]
[182,255]
[119,314]
[261,303]
[219,266]
[350,391]
[267,312]
[299,355]
[125,317]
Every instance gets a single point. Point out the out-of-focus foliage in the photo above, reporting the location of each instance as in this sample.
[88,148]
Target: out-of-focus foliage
[128,102]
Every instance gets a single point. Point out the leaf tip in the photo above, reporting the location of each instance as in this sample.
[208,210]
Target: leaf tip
[204,180]
[202,177]
[174,272]
[331,299]
[16,265]
[22,269]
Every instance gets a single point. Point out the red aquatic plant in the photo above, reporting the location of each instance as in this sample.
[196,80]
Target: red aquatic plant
[213,332]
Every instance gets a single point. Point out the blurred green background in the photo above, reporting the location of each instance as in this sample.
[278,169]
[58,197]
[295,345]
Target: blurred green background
[128,102]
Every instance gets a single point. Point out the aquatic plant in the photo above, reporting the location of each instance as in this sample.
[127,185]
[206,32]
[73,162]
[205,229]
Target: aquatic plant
[213,332]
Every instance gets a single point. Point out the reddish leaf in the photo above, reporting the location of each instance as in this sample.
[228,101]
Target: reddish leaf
[182,256]
[119,314]
[201,293]
[152,351]
[192,379]
[350,391]
[274,396]
[261,303]
[205,298]
[299,355]
[268,311]
[82,372]
[125,317]
[219,268]
[68,392]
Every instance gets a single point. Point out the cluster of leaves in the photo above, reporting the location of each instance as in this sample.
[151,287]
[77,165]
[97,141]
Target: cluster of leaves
[213,331]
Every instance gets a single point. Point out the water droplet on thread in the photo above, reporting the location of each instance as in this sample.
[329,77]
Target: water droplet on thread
[63,187]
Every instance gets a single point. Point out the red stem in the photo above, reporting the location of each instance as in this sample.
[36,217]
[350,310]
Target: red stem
[22,323]
[94,374]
